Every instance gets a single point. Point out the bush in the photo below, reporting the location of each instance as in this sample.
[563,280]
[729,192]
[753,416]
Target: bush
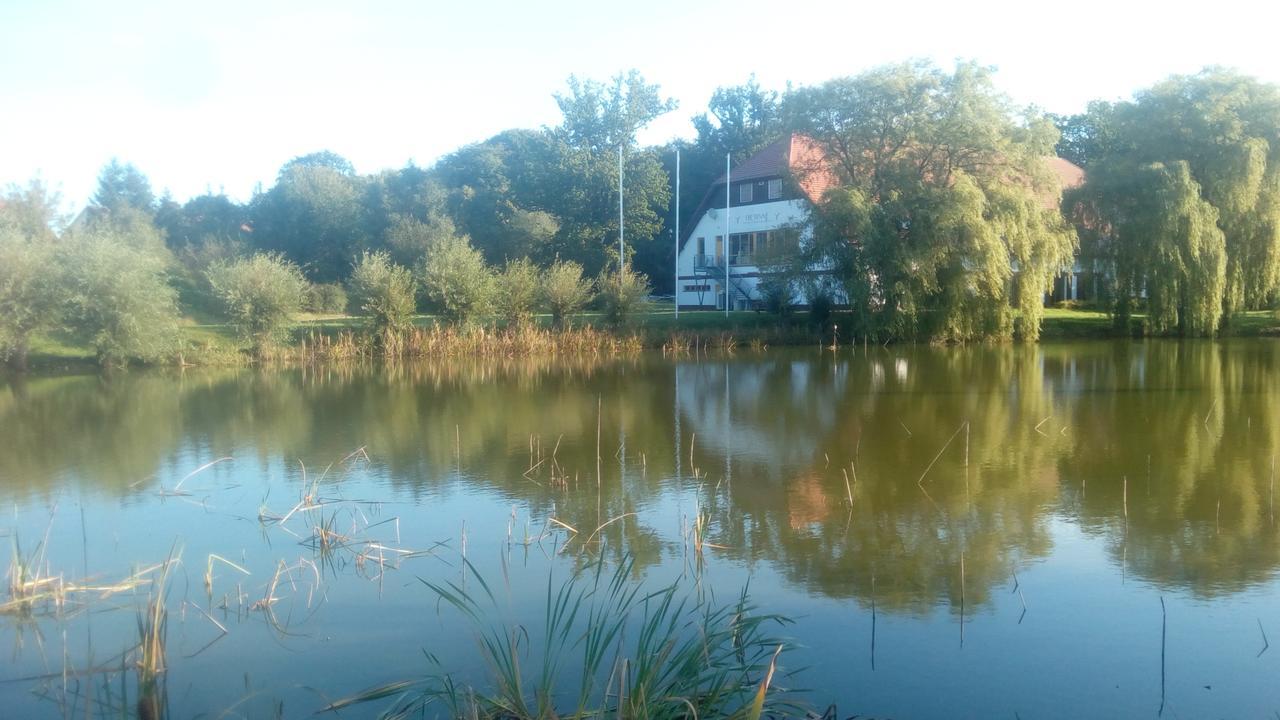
[820,306]
[456,280]
[518,292]
[776,293]
[325,299]
[565,291]
[31,293]
[385,291]
[622,295]
[119,301]
[261,295]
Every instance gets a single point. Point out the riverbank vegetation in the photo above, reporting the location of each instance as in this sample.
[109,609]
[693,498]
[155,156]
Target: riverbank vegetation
[945,228]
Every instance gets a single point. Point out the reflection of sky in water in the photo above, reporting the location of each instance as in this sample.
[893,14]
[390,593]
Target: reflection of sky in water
[1060,439]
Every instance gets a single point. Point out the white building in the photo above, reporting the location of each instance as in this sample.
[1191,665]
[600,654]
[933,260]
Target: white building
[770,197]
[771,193]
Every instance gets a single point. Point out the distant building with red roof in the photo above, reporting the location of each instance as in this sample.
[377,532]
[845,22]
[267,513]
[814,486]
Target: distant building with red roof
[770,195]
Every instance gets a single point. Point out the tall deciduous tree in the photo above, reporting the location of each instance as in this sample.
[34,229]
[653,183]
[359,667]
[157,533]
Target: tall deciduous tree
[946,209]
[571,171]
[1215,135]
[314,215]
[1157,236]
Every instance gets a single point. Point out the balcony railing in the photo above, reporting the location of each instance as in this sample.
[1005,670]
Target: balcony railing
[703,260]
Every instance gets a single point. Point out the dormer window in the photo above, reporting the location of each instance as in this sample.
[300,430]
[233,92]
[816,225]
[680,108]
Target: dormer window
[744,192]
[775,189]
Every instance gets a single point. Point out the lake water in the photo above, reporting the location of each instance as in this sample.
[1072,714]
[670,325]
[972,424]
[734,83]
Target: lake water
[1076,530]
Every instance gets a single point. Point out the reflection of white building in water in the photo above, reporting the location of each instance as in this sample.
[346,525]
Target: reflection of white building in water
[769,416]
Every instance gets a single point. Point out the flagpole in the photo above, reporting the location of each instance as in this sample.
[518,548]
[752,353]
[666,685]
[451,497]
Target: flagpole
[621,250]
[727,184]
[676,287]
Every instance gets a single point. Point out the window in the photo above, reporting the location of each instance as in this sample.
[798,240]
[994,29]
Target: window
[775,189]
[745,192]
[702,246]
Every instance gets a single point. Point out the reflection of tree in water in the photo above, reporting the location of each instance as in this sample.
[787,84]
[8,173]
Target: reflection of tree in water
[1050,429]
[109,433]
[890,414]
[1192,427]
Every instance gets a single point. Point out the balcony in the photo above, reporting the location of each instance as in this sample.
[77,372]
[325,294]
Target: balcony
[703,261]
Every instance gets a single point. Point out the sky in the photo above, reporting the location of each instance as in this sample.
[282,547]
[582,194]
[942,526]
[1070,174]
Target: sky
[216,96]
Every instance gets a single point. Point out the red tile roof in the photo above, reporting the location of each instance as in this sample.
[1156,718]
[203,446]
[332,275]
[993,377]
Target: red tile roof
[1069,174]
[795,156]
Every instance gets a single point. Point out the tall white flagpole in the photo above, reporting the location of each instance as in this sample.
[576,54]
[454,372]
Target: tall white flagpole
[727,183]
[676,287]
[621,250]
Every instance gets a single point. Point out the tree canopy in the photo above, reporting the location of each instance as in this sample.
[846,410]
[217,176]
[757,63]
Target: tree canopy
[940,216]
[1189,171]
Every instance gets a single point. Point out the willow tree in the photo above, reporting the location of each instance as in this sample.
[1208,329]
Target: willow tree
[1157,237]
[1218,135]
[945,212]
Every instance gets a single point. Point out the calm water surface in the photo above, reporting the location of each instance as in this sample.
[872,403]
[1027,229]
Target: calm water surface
[1076,485]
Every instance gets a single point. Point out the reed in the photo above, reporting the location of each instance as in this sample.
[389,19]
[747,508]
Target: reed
[634,653]
[153,622]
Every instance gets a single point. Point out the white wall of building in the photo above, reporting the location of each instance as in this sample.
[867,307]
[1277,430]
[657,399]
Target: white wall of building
[760,217]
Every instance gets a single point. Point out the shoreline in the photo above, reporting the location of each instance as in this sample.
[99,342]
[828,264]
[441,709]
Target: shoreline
[340,338]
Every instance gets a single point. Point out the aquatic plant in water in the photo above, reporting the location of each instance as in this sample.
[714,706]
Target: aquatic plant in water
[673,652]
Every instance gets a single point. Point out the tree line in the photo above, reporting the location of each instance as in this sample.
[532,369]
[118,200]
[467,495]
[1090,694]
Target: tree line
[943,222]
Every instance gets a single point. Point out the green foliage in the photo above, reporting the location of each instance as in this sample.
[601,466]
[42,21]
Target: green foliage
[314,215]
[385,291]
[677,653]
[261,295]
[489,196]
[622,295]
[1215,134]
[409,238]
[31,292]
[1152,228]
[121,185]
[33,211]
[325,299]
[202,218]
[456,280]
[600,118]
[565,291]
[945,202]
[119,300]
[571,172]
[519,288]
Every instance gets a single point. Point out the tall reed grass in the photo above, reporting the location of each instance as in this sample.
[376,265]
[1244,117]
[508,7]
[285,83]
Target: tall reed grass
[607,648]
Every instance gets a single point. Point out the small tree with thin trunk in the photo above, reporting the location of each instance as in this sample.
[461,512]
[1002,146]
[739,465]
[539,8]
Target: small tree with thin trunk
[261,295]
[31,293]
[565,291]
[385,291]
[623,294]
[518,292]
[456,280]
[119,299]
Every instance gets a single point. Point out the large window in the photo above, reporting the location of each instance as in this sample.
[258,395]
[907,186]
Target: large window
[770,246]
[745,194]
[775,189]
